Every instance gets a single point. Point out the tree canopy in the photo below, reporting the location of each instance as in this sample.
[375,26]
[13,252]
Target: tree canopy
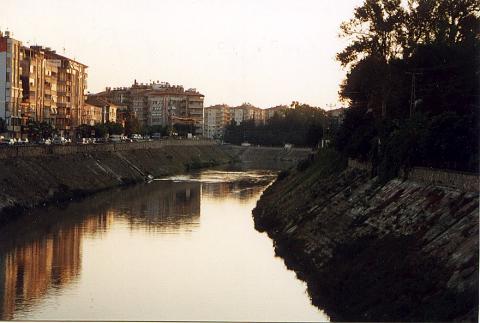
[412,84]
[302,125]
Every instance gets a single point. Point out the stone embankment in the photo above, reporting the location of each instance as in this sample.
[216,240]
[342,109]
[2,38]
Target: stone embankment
[267,157]
[406,250]
[38,175]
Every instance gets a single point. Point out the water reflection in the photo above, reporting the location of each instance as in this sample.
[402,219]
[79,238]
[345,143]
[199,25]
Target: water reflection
[160,206]
[27,272]
[44,253]
[140,240]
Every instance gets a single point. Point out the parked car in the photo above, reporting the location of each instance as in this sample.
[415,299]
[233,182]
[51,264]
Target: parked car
[6,142]
[22,142]
[59,141]
[101,140]
[136,137]
[115,138]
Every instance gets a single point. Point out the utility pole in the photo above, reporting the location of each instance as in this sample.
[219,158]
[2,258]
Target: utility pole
[413,92]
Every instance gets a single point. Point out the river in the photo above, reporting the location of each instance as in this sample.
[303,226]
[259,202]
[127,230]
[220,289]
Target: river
[179,248]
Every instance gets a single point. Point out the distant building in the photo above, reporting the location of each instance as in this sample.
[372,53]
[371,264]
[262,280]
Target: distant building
[279,110]
[107,109]
[160,104]
[248,112]
[337,114]
[91,114]
[217,117]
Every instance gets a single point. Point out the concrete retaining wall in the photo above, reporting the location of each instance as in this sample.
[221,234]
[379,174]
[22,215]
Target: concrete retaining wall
[31,176]
[36,151]
[356,164]
[463,181]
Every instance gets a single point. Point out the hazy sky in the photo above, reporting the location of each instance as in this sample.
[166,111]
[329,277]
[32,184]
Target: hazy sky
[264,52]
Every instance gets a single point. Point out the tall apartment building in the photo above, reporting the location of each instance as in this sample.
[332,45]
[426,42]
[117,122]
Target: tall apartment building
[160,104]
[38,84]
[10,83]
[71,86]
[217,117]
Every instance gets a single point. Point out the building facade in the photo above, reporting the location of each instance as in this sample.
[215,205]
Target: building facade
[160,104]
[91,114]
[11,91]
[245,112]
[71,87]
[37,84]
[108,110]
[217,117]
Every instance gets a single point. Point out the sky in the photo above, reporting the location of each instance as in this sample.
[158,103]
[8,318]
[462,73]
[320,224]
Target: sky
[265,52]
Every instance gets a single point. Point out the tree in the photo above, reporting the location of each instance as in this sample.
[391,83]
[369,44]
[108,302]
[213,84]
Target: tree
[132,125]
[377,29]
[301,126]
[3,125]
[439,42]
[39,130]
[114,128]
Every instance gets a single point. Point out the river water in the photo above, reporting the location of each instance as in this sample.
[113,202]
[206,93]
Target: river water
[180,248]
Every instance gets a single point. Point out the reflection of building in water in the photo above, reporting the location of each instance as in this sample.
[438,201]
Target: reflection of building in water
[28,271]
[66,255]
[98,224]
[164,206]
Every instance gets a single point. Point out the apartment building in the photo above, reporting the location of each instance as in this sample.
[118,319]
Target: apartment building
[279,110]
[38,84]
[71,87]
[248,112]
[160,104]
[11,91]
[217,117]
[91,114]
[107,109]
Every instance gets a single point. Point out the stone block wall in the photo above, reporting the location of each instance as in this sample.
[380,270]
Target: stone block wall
[47,150]
[463,181]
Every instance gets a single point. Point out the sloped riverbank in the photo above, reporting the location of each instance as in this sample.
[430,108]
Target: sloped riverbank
[399,251]
[31,181]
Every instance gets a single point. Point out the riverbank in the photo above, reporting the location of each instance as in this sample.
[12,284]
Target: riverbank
[401,251]
[36,176]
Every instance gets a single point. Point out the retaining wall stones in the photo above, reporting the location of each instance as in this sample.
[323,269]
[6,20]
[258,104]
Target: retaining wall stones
[464,181]
[406,250]
[45,150]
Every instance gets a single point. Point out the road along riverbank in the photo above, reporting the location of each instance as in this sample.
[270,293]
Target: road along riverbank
[36,176]
[406,250]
